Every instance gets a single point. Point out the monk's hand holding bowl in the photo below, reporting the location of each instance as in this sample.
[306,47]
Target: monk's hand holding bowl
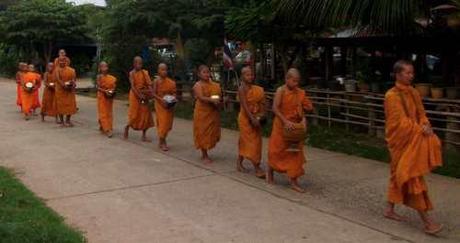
[255,121]
[288,125]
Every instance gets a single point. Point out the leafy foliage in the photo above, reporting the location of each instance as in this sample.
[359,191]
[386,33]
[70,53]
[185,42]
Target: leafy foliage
[37,25]
[130,26]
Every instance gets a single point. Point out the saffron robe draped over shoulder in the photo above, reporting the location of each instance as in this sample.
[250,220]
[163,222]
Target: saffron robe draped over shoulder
[49,93]
[56,61]
[28,98]
[206,118]
[105,104]
[250,140]
[139,115]
[293,104]
[413,154]
[164,116]
[66,103]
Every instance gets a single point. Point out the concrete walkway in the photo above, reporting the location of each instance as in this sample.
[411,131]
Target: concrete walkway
[129,191]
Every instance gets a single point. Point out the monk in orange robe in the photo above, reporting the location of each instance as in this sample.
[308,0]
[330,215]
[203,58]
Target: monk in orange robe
[66,104]
[61,54]
[28,95]
[38,77]
[206,115]
[164,114]
[48,102]
[106,85]
[415,150]
[22,70]
[289,105]
[139,113]
[252,105]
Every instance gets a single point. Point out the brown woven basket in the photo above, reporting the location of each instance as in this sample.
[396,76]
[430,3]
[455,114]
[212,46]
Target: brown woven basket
[295,135]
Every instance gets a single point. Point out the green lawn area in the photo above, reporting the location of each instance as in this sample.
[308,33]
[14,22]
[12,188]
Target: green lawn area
[26,219]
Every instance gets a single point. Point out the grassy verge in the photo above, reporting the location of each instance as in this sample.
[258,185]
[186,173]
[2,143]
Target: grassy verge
[335,139]
[25,218]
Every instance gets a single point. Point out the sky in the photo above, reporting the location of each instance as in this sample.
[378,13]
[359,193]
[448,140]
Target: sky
[96,2]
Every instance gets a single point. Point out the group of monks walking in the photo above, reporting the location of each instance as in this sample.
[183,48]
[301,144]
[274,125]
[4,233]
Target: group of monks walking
[58,98]
[415,150]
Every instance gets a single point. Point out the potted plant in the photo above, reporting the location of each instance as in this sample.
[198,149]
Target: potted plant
[437,92]
[451,92]
[423,89]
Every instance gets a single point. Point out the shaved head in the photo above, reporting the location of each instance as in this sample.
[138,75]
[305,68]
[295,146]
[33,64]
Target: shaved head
[247,75]
[292,78]
[137,63]
[292,73]
[162,70]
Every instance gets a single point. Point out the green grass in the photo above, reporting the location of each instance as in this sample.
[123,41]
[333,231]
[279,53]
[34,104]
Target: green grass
[25,219]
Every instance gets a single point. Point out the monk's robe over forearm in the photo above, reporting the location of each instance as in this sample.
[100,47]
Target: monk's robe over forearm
[105,104]
[48,100]
[293,103]
[139,115]
[206,119]
[66,103]
[413,154]
[164,116]
[250,141]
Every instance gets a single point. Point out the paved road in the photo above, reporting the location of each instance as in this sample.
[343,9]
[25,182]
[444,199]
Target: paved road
[129,191]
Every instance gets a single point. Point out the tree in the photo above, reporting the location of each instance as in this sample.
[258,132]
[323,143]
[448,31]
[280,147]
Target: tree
[37,25]
[131,25]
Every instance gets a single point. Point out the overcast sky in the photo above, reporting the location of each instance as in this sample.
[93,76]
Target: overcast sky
[97,2]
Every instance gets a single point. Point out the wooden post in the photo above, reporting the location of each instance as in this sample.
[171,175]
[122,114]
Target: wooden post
[371,115]
[452,124]
[179,86]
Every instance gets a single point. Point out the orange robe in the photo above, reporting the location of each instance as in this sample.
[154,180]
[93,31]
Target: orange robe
[292,106]
[164,116]
[19,76]
[66,103]
[48,102]
[250,142]
[104,104]
[56,61]
[413,154]
[139,115]
[206,119]
[36,92]
[28,98]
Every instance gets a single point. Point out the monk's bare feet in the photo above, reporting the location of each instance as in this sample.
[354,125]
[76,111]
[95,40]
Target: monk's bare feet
[259,172]
[26,118]
[43,118]
[269,176]
[126,133]
[164,147]
[239,166]
[295,186]
[391,214]
[206,160]
[109,134]
[433,228]
[69,124]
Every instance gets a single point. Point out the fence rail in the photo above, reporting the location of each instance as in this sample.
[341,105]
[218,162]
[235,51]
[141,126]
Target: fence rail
[366,110]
